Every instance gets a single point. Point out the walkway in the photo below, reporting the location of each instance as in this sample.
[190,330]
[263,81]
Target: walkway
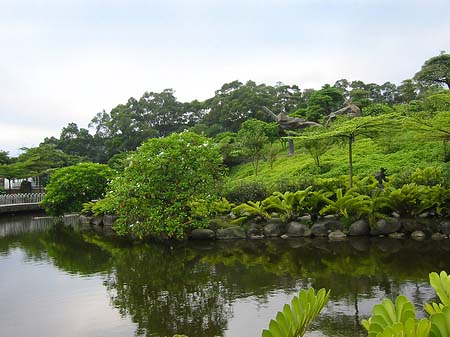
[11,203]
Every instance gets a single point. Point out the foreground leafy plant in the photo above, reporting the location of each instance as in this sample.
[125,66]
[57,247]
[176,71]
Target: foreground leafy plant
[295,319]
[399,320]
[441,284]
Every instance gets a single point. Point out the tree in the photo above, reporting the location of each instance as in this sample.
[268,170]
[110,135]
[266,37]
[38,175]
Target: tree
[17,170]
[350,129]
[253,137]
[236,102]
[436,128]
[72,186]
[322,102]
[4,158]
[168,186]
[315,147]
[76,141]
[435,70]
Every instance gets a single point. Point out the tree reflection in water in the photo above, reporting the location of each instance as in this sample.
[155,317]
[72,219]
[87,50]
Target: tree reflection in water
[191,287]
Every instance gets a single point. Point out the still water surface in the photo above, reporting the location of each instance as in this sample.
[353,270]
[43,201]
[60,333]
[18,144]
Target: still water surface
[62,281]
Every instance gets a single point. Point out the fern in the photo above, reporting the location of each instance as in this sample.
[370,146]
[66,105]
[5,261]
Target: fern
[351,206]
[250,210]
[289,204]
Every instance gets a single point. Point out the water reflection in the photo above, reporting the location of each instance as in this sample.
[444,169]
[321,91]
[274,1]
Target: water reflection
[234,288]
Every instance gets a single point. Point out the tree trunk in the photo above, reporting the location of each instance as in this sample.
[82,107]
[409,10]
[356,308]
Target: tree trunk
[291,146]
[350,160]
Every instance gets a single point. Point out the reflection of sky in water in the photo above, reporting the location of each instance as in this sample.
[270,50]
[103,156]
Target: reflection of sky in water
[40,301]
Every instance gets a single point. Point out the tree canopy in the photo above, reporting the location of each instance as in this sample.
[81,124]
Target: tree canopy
[435,70]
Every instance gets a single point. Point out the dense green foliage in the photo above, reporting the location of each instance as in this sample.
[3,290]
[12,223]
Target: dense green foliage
[154,114]
[426,191]
[168,187]
[436,70]
[72,186]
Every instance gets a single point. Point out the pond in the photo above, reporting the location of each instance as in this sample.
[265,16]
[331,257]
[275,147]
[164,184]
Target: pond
[59,280]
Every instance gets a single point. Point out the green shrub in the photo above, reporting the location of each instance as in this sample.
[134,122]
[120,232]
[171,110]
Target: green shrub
[246,191]
[72,186]
[407,201]
[168,186]
[350,206]
[289,205]
[250,210]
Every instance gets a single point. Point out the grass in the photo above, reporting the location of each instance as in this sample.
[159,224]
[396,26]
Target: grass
[402,152]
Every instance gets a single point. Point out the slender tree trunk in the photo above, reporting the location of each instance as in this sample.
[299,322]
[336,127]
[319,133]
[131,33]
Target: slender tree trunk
[350,160]
[291,146]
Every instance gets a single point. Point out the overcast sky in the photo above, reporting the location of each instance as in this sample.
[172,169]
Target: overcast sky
[63,61]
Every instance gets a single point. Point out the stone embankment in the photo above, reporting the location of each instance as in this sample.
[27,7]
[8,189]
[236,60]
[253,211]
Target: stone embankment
[328,226]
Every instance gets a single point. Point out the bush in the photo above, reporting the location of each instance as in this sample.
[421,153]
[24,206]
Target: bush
[167,187]
[72,186]
[246,191]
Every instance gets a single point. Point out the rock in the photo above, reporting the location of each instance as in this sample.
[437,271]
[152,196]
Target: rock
[384,227]
[202,234]
[319,229]
[305,219]
[396,235]
[256,237]
[97,220]
[337,235]
[230,233]
[359,228]
[438,236]
[85,220]
[331,223]
[108,220]
[445,227]
[274,229]
[284,236]
[409,225]
[296,229]
[418,235]
[254,229]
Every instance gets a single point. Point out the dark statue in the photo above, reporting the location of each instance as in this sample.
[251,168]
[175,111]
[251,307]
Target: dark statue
[380,176]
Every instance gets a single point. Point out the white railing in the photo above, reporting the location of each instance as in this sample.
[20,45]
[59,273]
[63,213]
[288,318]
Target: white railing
[21,198]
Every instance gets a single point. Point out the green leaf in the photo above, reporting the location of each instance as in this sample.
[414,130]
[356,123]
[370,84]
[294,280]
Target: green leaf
[294,320]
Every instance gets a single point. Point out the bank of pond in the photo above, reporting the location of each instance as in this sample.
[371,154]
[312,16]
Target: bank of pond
[121,287]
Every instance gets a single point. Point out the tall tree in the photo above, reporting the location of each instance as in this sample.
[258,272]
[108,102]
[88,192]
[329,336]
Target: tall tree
[433,128]
[76,141]
[323,101]
[435,70]
[350,129]
[4,157]
[253,136]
